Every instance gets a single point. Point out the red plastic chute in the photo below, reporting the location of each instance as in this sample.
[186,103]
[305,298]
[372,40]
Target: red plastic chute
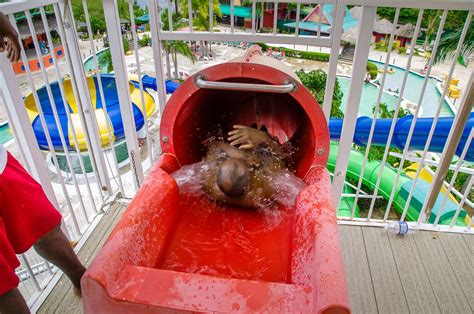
[173,252]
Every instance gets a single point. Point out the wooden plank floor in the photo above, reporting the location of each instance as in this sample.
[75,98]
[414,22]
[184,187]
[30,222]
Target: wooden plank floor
[422,272]
[62,298]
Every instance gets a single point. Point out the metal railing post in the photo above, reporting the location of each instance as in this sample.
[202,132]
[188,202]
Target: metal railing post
[450,149]
[352,107]
[23,130]
[85,108]
[155,29]
[336,33]
[114,34]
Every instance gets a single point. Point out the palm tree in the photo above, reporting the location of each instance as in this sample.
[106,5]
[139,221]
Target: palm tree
[449,42]
[259,13]
[174,46]
[200,10]
[105,60]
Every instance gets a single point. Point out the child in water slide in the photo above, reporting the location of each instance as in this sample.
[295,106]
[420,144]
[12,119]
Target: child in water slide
[249,171]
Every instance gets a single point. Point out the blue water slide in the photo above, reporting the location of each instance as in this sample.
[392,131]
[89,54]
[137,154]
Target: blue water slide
[402,128]
[150,82]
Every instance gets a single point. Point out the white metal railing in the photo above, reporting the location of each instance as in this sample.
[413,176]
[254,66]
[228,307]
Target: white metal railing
[81,197]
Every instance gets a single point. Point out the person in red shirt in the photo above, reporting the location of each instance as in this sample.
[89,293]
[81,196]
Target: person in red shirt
[27,218]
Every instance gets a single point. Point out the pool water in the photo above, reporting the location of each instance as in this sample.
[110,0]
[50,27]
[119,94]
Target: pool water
[393,82]
[368,97]
[89,64]
[120,151]
[6,134]
[413,88]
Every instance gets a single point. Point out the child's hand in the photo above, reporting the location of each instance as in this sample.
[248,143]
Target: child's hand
[246,137]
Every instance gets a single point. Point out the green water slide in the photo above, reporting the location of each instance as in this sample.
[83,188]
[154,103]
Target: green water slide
[346,204]
[402,189]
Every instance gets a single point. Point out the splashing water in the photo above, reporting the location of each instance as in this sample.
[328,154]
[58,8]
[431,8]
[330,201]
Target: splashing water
[287,186]
[190,178]
[221,240]
[271,176]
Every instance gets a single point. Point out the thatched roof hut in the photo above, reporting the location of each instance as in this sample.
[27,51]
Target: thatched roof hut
[383,26]
[407,31]
[356,12]
[24,30]
[350,36]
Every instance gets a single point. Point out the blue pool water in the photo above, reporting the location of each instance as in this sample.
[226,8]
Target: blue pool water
[394,81]
[368,98]
[89,64]
[413,88]
[5,134]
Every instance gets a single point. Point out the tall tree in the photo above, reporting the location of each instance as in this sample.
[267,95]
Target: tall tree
[449,42]
[96,12]
[200,16]
[174,46]
[431,27]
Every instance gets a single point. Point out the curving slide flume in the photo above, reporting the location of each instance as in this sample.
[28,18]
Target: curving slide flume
[402,189]
[401,130]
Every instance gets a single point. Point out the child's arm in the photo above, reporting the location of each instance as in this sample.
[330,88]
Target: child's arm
[247,137]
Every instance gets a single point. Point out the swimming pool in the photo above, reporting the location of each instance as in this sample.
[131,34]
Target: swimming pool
[89,64]
[413,88]
[368,97]
[394,82]
[6,134]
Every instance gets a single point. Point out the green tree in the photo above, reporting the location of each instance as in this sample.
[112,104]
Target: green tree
[175,46]
[258,14]
[96,12]
[372,69]
[449,42]
[200,16]
[105,60]
[454,20]
[315,82]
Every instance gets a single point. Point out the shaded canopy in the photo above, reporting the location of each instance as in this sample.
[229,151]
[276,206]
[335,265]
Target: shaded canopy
[383,26]
[407,31]
[144,18]
[24,30]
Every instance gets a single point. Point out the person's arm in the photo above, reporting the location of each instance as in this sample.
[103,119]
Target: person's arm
[231,152]
[247,137]
[9,42]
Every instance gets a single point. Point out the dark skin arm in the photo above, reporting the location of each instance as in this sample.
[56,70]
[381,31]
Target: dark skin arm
[246,138]
[233,152]
[9,42]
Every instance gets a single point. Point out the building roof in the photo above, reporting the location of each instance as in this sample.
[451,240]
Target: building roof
[316,16]
[144,18]
[309,26]
[328,9]
[356,12]
[24,30]
[245,12]
[350,35]
[407,31]
[383,26]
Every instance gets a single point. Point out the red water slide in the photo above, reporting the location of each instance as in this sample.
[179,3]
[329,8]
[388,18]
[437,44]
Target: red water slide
[173,252]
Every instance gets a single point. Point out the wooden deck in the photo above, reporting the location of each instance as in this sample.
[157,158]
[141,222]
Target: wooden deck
[423,272]
[62,298]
